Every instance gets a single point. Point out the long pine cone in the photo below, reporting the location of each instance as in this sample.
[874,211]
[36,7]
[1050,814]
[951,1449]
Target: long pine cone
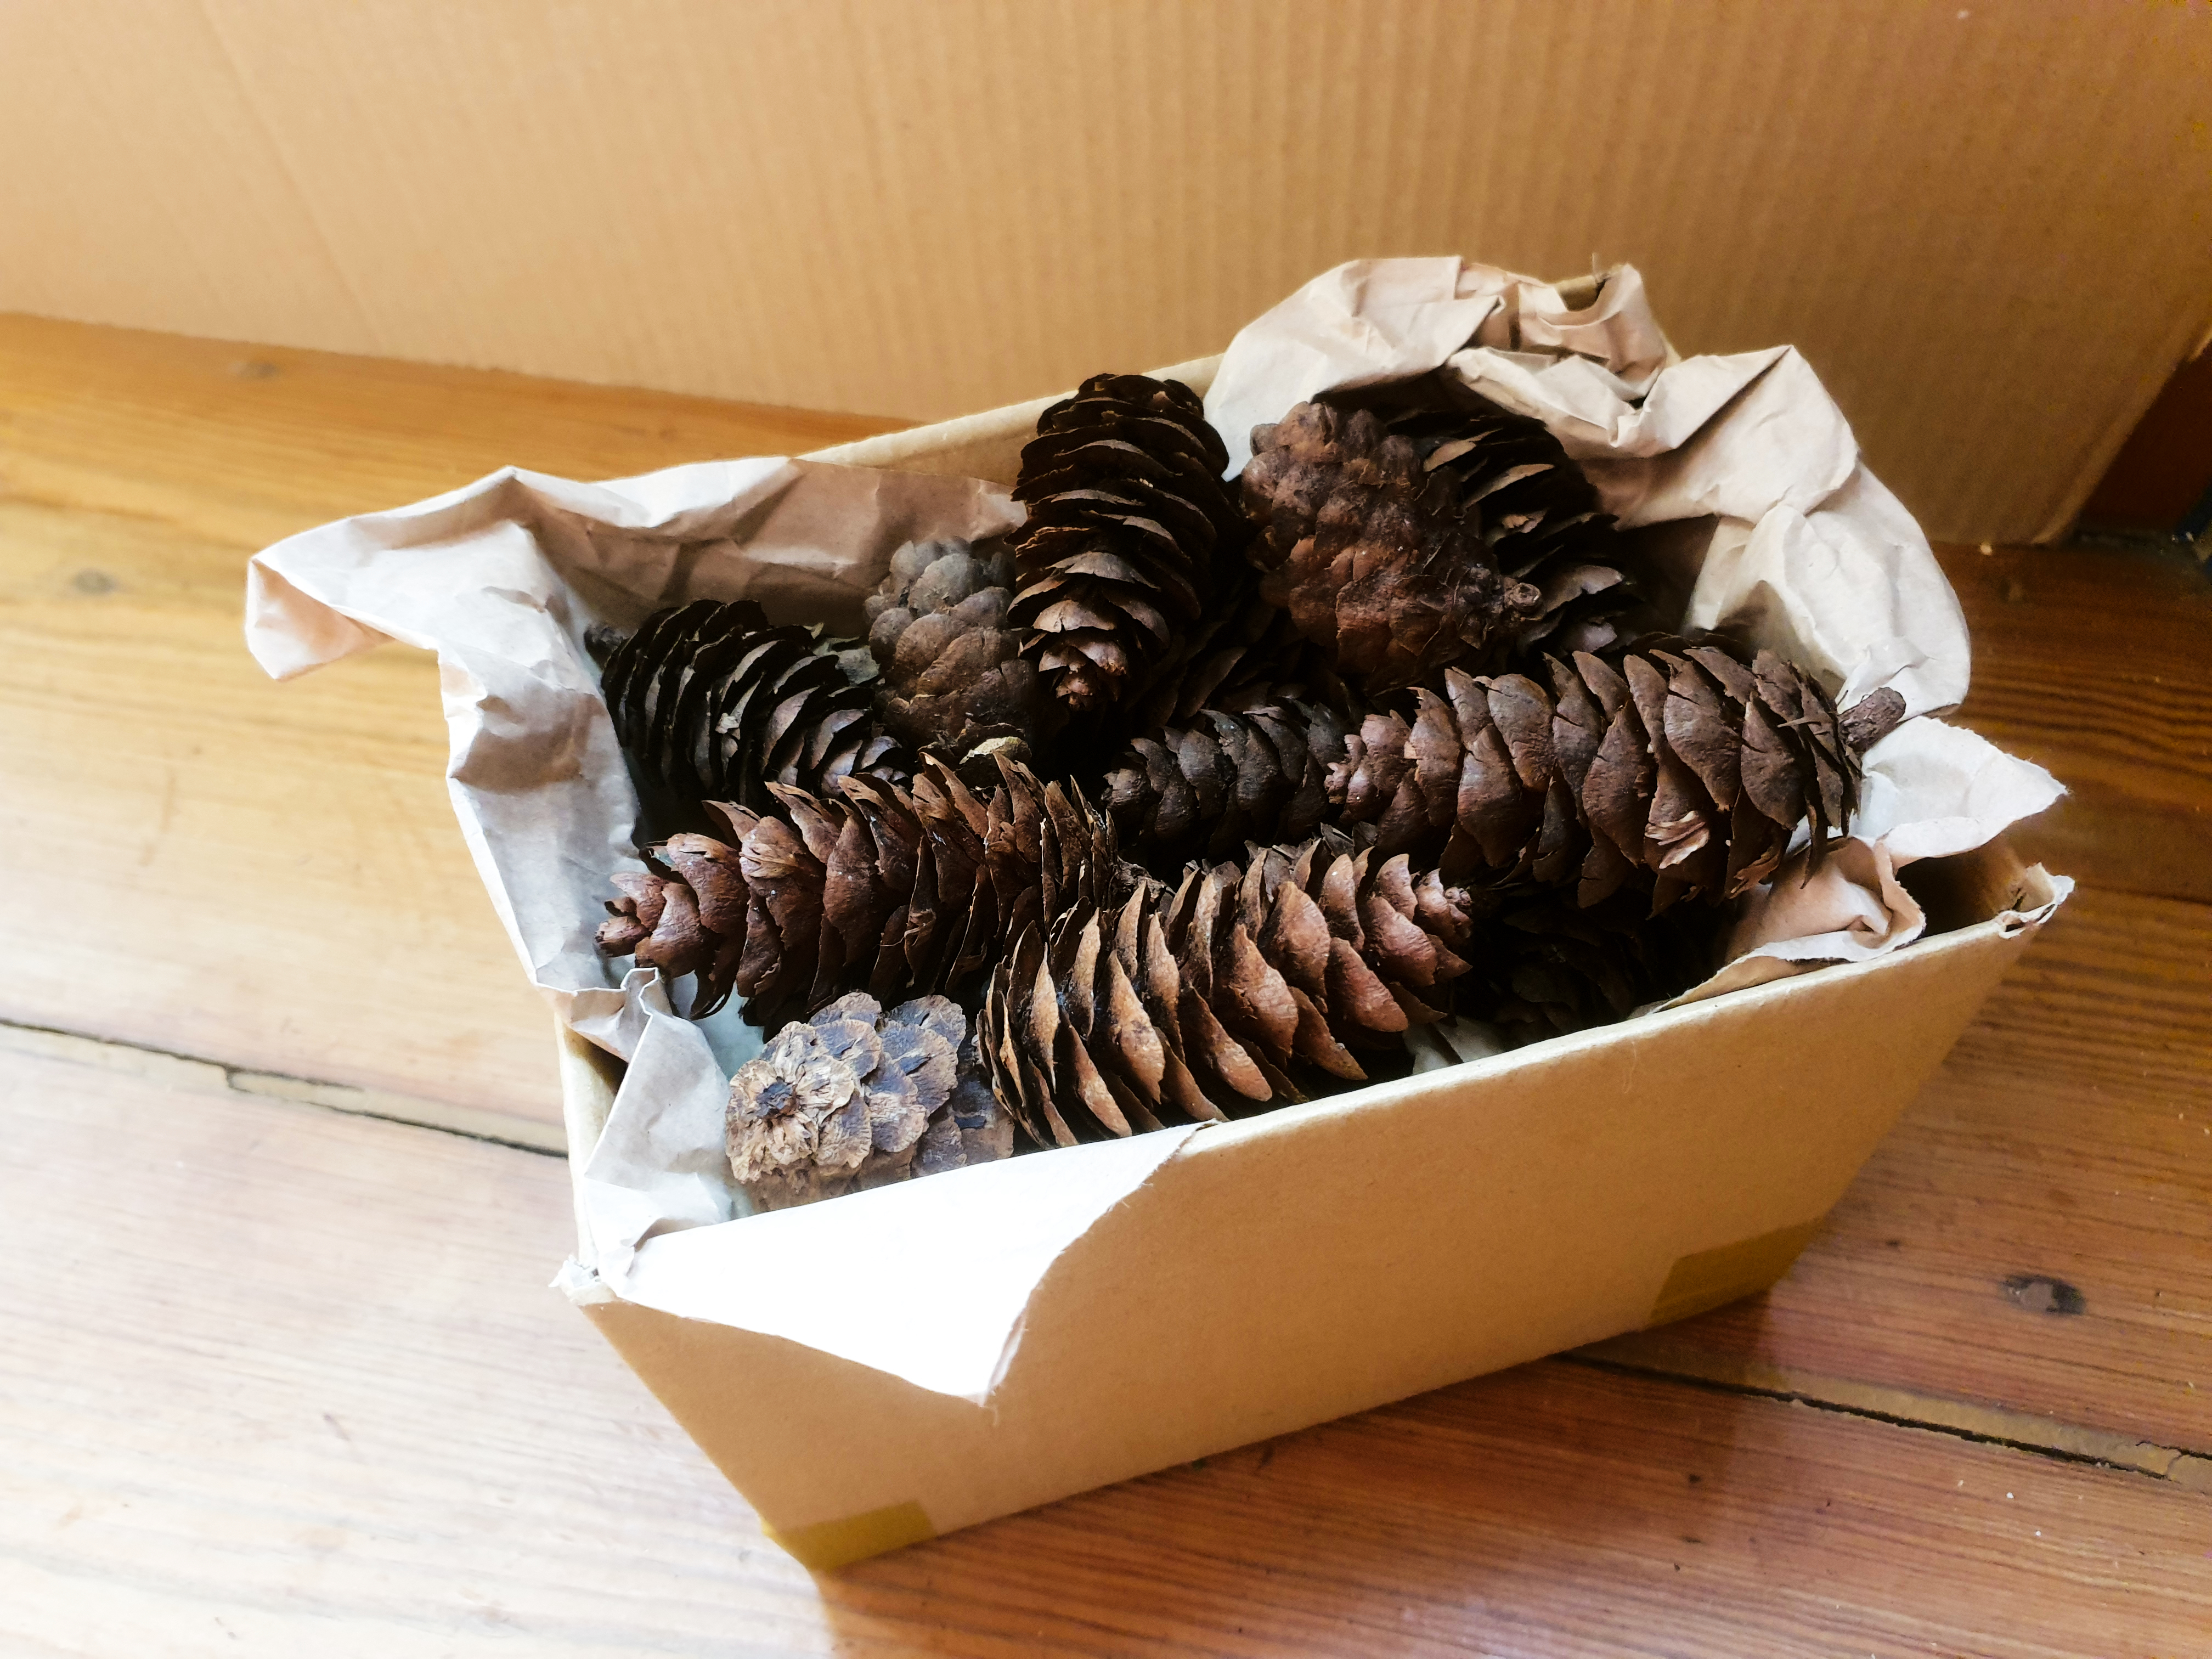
[1136,1007]
[899,891]
[1128,515]
[1677,763]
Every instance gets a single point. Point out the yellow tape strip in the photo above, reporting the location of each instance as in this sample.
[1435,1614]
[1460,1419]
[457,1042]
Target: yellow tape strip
[828,1544]
[1712,1278]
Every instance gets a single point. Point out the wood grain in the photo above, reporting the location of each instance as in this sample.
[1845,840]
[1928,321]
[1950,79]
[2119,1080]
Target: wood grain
[2097,663]
[2067,1138]
[266,875]
[273,1380]
[243,444]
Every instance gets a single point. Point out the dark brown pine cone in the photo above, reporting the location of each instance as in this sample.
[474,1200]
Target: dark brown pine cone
[1134,1007]
[1277,969]
[1245,653]
[860,1097]
[1128,519]
[1549,966]
[711,703]
[1203,789]
[1681,765]
[954,679]
[898,890]
[1419,536]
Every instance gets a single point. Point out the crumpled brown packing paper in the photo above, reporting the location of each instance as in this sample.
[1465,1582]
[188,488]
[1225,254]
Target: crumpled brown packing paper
[502,578]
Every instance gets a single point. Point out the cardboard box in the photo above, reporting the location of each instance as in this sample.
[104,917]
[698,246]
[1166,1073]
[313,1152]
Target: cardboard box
[1323,1259]
[1983,224]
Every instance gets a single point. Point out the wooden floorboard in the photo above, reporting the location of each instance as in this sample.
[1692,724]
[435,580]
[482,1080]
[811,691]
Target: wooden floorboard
[2097,663]
[274,1381]
[241,445]
[2066,1143]
[264,876]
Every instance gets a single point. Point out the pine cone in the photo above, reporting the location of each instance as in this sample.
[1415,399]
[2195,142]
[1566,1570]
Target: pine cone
[857,1098]
[1245,655]
[1529,500]
[953,676]
[1173,1005]
[1424,538]
[1682,765]
[1549,966]
[1128,516]
[900,890]
[711,703]
[1205,789]
[1134,1007]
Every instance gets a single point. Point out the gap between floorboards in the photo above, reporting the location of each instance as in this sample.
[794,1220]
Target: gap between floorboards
[1648,1353]
[1653,1353]
[197,1071]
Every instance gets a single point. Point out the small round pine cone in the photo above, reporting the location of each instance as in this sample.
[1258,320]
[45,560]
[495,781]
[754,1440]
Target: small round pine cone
[953,678]
[857,1097]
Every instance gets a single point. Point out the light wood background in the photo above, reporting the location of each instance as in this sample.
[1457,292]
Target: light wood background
[279,1373]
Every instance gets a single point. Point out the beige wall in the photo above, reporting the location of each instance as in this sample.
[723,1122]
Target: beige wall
[1986,224]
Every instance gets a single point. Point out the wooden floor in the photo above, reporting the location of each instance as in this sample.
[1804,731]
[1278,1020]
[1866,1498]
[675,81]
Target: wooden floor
[279,1373]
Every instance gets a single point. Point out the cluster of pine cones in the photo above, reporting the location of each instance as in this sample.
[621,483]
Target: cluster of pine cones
[1197,797]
